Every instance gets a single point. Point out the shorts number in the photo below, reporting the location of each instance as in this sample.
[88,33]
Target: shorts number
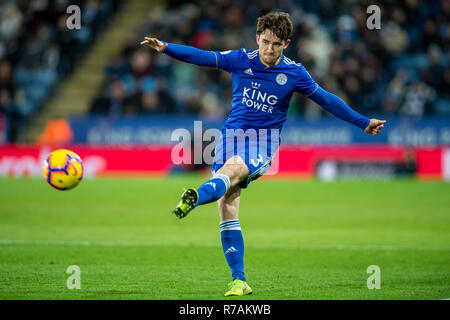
[258,161]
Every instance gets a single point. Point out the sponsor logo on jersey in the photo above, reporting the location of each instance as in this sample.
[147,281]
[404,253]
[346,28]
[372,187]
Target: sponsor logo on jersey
[249,71]
[259,100]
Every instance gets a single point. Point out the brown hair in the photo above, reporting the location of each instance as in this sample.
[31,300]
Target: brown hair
[278,22]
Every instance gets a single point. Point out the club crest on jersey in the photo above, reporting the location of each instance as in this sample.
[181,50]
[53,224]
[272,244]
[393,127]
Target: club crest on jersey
[281,79]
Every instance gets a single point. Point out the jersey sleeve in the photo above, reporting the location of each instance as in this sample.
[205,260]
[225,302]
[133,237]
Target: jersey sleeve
[229,60]
[305,83]
[191,55]
[338,108]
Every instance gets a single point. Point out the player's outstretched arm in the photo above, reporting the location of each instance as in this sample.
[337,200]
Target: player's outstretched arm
[183,53]
[340,109]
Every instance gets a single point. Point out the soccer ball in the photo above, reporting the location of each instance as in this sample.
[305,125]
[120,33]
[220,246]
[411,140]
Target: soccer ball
[63,169]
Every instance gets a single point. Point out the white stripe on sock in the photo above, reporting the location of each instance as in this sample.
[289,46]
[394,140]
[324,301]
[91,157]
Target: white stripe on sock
[224,178]
[231,224]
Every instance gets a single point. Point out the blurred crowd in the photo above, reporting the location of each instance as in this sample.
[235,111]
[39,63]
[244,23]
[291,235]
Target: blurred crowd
[400,69]
[403,68]
[37,49]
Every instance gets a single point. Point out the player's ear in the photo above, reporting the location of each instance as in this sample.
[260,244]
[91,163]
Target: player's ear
[257,39]
[286,44]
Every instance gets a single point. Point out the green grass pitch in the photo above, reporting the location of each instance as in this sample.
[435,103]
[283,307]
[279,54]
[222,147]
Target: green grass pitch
[304,240]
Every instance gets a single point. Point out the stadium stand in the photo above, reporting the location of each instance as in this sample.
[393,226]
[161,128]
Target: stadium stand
[37,50]
[403,69]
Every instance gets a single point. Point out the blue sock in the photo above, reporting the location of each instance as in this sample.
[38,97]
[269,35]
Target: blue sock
[233,247]
[213,189]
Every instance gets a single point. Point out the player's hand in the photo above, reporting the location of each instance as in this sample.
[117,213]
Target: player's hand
[375,126]
[154,44]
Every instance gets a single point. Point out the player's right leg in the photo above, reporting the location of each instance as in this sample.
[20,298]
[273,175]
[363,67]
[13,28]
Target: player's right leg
[229,175]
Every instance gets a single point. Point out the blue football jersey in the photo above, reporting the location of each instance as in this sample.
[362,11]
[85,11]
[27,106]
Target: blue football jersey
[261,94]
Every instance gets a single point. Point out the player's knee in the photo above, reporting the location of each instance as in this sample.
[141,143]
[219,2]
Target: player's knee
[235,169]
[229,173]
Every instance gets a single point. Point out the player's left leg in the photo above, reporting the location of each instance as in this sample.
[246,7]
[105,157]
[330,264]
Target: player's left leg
[232,241]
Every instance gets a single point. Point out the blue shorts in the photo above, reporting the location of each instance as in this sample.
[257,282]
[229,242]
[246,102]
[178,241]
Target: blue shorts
[255,149]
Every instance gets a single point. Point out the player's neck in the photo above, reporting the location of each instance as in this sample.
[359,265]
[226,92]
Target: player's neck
[269,65]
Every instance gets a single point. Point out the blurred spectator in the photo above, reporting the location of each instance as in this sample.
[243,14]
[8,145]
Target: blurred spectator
[8,107]
[10,22]
[118,98]
[408,166]
[417,99]
[149,103]
[6,80]
[57,134]
[66,41]
[113,100]
[100,104]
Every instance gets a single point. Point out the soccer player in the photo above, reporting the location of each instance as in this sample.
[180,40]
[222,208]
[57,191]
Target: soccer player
[263,82]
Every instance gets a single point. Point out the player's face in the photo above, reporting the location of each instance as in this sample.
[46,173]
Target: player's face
[270,47]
